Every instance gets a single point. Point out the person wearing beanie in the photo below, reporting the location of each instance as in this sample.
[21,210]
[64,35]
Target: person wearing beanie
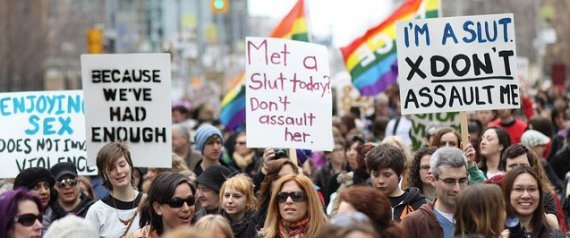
[536,141]
[209,183]
[39,182]
[70,199]
[209,142]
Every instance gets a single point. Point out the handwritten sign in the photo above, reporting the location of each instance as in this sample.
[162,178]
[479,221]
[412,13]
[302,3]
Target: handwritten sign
[288,94]
[422,123]
[41,129]
[457,64]
[127,98]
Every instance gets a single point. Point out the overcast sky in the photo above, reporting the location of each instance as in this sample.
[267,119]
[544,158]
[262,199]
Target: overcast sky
[344,19]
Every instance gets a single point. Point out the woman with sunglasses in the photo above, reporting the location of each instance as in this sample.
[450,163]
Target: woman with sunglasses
[294,209]
[170,204]
[524,197]
[21,216]
[238,202]
[116,214]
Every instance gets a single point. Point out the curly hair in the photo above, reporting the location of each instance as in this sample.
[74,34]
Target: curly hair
[414,179]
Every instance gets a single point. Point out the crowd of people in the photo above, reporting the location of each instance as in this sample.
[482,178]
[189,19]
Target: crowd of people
[506,181]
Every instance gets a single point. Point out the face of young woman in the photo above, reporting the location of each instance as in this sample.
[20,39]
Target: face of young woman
[351,155]
[449,139]
[173,216]
[424,169]
[525,195]
[22,231]
[292,211]
[234,203]
[490,143]
[119,174]
[42,190]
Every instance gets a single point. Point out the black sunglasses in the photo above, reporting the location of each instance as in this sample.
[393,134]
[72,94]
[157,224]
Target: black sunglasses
[298,196]
[70,181]
[28,219]
[179,202]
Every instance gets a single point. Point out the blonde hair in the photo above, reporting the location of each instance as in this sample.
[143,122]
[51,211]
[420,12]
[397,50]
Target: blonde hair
[189,232]
[243,184]
[209,222]
[398,142]
[315,211]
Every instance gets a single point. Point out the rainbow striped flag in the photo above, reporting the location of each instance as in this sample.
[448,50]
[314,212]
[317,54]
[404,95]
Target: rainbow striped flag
[292,27]
[371,58]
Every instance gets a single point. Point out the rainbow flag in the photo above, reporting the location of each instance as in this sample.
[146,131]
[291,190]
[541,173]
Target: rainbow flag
[371,58]
[292,27]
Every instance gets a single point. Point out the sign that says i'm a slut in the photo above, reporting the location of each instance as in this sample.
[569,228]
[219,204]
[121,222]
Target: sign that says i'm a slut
[457,64]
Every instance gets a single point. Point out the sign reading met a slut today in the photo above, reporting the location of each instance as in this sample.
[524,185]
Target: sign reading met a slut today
[288,94]
[127,99]
[457,64]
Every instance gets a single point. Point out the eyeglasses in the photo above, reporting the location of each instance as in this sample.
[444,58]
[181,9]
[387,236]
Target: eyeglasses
[28,219]
[298,196]
[451,182]
[179,202]
[70,181]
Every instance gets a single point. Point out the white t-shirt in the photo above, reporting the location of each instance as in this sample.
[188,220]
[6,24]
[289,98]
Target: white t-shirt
[105,216]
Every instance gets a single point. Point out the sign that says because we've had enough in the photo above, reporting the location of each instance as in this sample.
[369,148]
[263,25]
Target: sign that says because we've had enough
[288,94]
[457,64]
[127,99]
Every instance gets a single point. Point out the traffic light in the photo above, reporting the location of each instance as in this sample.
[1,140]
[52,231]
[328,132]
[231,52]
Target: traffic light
[94,41]
[220,6]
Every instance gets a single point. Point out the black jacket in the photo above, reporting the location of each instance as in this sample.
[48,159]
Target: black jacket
[244,228]
[408,202]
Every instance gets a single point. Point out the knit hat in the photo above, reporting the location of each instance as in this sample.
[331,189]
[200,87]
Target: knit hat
[30,177]
[204,133]
[214,176]
[532,138]
[61,169]
[71,227]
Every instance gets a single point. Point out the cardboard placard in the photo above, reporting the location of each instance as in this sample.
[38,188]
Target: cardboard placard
[127,98]
[288,94]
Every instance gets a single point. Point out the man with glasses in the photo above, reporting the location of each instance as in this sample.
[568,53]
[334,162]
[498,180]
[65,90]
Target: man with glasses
[449,177]
[69,198]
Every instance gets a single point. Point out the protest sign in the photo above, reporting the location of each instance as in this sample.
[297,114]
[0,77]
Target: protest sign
[457,64]
[422,124]
[288,95]
[41,129]
[127,98]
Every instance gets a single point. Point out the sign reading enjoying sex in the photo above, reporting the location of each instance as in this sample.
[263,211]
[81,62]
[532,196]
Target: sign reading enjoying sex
[288,94]
[457,64]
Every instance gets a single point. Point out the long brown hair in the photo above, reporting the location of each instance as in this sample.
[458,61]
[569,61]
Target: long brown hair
[540,227]
[413,174]
[477,210]
[273,168]
[316,215]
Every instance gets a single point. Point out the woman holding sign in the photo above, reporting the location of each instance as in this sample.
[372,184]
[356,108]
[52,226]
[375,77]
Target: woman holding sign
[116,214]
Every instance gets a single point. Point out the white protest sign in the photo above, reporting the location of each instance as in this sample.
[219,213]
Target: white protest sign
[288,94]
[457,64]
[41,129]
[127,98]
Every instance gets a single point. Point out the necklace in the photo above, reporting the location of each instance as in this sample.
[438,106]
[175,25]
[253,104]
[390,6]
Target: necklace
[124,221]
